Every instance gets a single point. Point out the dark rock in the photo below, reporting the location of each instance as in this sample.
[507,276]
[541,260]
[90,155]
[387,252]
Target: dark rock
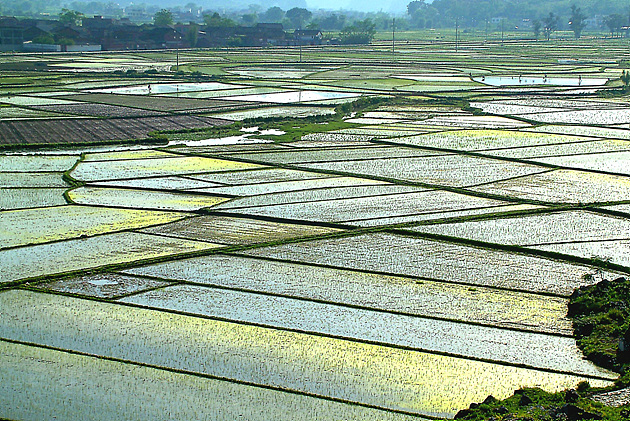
[575,413]
[463,414]
[490,400]
[525,400]
[501,410]
[571,396]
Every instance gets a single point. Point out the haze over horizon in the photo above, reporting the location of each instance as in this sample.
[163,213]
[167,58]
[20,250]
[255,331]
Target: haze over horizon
[360,5]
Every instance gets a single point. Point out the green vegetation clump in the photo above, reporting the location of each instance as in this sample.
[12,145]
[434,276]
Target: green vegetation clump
[601,320]
[535,404]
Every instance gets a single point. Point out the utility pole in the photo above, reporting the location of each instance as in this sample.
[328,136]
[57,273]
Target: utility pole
[393,39]
[456,33]
[486,30]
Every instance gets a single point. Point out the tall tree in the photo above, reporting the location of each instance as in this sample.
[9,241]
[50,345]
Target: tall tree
[536,26]
[163,17]
[273,15]
[614,22]
[414,6]
[551,24]
[362,32]
[216,21]
[298,16]
[70,17]
[576,22]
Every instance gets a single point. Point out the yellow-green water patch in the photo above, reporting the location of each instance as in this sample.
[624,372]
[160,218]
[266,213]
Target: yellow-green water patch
[232,230]
[375,375]
[92,252]
[75,387]
[35,226]
[397,294]
[136,168]
[143,199]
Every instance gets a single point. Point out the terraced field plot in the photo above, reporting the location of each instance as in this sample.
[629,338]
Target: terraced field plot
[446,170]
[371,210]
[580,234]
[563,186]
[428,259]
[481,140]
[67,222]
[17,198]
[335,154]
[613,162]
[107,285]
[92,252]
[230,230]
[141,199]
[137,168]
[395,294]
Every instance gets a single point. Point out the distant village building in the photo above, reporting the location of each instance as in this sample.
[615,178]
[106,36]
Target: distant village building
[101,33]
[308,36]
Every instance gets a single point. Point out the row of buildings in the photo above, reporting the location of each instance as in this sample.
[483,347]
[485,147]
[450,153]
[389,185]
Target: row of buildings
[98,33]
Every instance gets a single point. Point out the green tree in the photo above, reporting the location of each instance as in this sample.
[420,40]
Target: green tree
[249,19]
[192,34]
[298,16]
[414,6]
[362,32]
[614,23]
[576,22]
[551,24]
[44,39]
[536,26]
[70,17]
[216,21]
[163,17]
[273,15]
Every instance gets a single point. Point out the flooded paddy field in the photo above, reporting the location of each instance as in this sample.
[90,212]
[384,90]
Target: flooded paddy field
[348,238]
